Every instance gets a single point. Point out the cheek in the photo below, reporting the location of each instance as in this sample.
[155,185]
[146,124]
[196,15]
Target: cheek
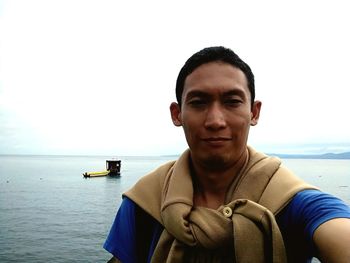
[189,136]
[191,123]
[239,121]
[188,130]
[191,129]
[240,126]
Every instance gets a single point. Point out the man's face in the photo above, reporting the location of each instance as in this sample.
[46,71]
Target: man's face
[216,114]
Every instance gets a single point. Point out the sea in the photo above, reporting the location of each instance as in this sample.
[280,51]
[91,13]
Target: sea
[50,213]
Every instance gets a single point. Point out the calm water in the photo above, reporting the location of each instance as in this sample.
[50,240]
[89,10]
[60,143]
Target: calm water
[49,212]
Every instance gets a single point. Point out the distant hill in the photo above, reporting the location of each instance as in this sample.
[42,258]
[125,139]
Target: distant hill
[345,155]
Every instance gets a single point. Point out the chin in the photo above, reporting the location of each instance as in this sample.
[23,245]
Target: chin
[216,162]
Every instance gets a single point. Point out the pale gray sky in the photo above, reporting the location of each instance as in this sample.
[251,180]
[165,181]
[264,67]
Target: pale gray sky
[97,77]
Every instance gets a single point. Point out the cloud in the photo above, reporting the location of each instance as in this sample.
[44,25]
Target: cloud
[95,77]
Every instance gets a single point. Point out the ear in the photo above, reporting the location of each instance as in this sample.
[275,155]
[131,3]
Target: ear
[255,114]
[175,112]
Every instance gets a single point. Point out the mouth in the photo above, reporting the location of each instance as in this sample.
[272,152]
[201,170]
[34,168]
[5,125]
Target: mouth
[216,141]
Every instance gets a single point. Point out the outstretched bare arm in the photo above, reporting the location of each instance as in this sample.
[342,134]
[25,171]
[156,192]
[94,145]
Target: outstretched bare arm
[332,240]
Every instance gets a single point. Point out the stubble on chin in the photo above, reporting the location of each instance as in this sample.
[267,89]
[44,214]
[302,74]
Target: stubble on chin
[215,163]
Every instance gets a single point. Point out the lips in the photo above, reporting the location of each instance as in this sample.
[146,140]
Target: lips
[216,141]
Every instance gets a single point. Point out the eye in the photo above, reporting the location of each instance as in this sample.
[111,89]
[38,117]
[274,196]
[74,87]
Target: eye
[233,102]
[197,102]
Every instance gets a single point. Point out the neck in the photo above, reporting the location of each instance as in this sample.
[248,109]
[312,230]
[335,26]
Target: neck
[210,185]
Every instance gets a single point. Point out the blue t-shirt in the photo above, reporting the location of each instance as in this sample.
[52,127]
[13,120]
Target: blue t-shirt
[297,222]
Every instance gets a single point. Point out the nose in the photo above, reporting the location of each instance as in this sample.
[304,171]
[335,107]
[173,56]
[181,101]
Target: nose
[215,118]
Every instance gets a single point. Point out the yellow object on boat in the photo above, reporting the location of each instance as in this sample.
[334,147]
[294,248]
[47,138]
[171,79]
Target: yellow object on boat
[96,174]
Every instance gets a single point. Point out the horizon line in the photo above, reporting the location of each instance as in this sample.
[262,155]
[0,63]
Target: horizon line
[330,154]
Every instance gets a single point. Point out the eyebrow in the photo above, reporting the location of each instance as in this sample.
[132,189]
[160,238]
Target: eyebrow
[199,93]
[235,92]
[196,93]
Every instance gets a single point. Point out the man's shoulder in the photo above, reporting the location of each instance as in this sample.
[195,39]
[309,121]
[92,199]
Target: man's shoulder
[147,192]
[311,208]
[316,201]
[282,187]
[153,180]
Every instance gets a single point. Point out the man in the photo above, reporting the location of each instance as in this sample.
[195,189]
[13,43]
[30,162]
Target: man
[222,201]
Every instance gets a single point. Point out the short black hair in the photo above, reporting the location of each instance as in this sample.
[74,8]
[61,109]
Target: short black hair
[212,54]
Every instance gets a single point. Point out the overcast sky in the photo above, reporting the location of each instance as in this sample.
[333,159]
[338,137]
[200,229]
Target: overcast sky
[97,77]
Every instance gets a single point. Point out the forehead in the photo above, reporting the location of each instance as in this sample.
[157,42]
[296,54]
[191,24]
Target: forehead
[216,76]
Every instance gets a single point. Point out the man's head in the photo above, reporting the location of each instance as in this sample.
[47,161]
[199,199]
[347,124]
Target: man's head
[211,54]
[216,107]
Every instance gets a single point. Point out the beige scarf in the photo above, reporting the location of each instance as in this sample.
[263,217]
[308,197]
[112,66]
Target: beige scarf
[242,230]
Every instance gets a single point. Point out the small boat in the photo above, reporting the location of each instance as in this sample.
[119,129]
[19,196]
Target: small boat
[96,174]
[113,166]
[112,169]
